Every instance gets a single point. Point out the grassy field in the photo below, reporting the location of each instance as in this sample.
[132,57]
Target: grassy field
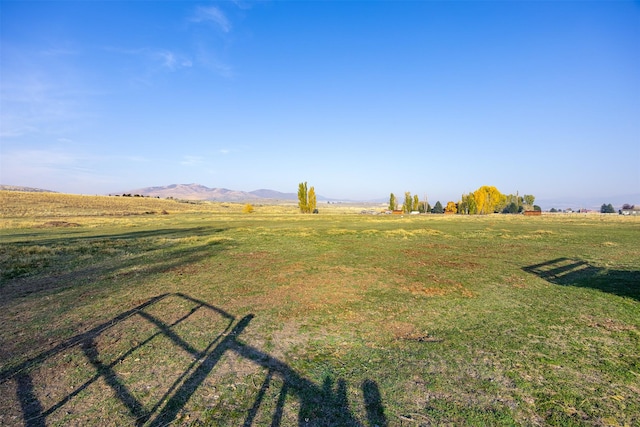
[127,311]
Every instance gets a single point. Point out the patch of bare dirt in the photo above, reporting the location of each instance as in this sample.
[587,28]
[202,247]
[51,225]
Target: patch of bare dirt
[287,338]
[446,287]
[302,290]
[516,282]
[185,269]
[422,258]
[260,262]
[257,255]
[420,248]
[610,325]
[408,331]
[49,224]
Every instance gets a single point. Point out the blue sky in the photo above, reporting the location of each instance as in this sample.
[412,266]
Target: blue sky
[358,98]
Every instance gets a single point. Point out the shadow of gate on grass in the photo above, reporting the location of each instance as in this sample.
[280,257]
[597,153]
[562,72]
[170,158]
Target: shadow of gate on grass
[579,273]
[317,405]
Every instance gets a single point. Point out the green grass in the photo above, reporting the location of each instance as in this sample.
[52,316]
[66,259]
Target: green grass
[200,318]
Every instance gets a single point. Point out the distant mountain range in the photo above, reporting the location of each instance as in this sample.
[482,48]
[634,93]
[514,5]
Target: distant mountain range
[200,192]
[27,189]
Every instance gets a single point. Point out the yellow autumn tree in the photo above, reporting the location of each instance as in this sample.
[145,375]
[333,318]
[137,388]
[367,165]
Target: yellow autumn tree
[306,198]
[312,202]
[451,208]
[303,197]
[488,199]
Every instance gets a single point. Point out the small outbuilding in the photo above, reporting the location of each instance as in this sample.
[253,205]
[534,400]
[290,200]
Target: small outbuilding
[633,210]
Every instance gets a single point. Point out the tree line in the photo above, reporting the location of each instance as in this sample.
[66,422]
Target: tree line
[485,200]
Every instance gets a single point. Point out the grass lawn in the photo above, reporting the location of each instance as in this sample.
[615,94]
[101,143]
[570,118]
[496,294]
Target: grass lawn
[155,312]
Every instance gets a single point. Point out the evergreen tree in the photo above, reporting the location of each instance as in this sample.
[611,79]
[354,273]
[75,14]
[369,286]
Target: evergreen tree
[607,208]
[438,209]
[511,209]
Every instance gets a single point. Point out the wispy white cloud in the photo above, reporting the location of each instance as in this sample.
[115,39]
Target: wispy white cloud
[44,92]
[15,125]
[42,158]
[167,59]
[225,151]
[34,167]
[171,60]
[241,4]
[192,160]
[207,54]
[208,58]
[66,166]
[212,14]
[137,159]
[33,102]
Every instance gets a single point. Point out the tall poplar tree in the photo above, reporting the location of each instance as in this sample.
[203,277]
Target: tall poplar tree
[303,201]
[307,201]
[463,205]
[392,202]
[311,200]
[473,206]
[408,202]
[416,203]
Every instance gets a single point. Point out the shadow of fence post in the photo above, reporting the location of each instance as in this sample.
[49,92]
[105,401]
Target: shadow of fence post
[373,404]
[579,273]
[318,405]
[29,403]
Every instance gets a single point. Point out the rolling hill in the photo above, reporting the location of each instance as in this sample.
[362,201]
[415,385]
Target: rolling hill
[25,189]
[201,192]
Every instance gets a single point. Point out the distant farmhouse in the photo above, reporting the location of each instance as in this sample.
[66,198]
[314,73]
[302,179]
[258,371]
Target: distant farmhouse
[630,210]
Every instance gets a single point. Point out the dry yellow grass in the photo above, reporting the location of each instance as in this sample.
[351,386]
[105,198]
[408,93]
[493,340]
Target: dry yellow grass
[27,204]
[26,209]
[31,205]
